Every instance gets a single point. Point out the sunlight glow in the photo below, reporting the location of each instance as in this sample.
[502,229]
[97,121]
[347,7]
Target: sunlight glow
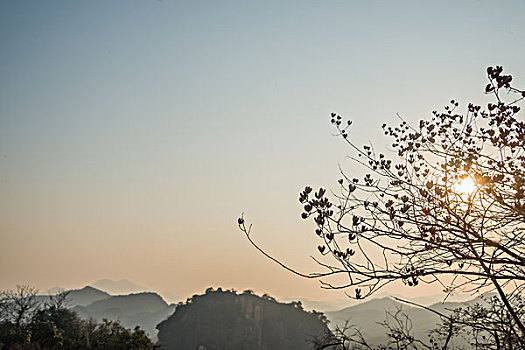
[466,186]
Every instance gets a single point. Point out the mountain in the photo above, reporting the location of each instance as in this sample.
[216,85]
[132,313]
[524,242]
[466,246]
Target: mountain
[120,287]
[368,314]
[322,305]
[54,290]
[142,309]
[227,320]
[78,297]
[86,296]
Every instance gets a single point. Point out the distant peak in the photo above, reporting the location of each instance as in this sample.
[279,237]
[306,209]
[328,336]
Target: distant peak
[88,288]
[107,280]
[118,287]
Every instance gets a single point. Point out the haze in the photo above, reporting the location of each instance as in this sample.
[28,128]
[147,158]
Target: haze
[134,133]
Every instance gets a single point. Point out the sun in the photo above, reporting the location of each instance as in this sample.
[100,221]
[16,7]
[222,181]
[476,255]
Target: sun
[466,186]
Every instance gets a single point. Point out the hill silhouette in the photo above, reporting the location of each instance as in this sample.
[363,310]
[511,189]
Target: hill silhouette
[86,296]
[78,297]
[143,309]
[368,314]
[227,320]
[120,287]
[140,309]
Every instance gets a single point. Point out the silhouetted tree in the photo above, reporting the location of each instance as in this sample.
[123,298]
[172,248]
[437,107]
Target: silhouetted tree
[487,325]
[26,323]
[19,305]
[16,311]
[111,335]
[446,207]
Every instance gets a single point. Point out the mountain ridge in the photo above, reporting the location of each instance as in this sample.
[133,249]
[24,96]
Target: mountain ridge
[226,320]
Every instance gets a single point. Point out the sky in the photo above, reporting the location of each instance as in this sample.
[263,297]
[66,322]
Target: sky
[134,133]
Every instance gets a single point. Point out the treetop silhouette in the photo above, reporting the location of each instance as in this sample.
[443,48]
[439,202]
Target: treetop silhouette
[446,206]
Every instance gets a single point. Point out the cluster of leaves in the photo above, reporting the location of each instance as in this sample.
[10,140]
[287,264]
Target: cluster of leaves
[26,323]
[412,219]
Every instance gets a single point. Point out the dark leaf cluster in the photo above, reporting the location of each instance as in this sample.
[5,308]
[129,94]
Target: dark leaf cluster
[26,323]
[445,206]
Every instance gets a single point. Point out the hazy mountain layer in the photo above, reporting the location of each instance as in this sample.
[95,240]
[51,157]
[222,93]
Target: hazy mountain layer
[79,297]
[120,287]
[142,309]
[368,315]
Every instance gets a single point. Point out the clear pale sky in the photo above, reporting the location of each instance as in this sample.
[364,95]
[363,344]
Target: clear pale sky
[134,133]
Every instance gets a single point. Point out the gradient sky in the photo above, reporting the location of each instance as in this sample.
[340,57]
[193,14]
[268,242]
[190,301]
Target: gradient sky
[134,133]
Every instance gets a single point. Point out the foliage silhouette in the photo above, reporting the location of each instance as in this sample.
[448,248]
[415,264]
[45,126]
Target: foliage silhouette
[26,323]
[448,207]
[229,320]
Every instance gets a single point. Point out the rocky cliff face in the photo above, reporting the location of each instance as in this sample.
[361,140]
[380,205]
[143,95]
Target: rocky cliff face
[227,320]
